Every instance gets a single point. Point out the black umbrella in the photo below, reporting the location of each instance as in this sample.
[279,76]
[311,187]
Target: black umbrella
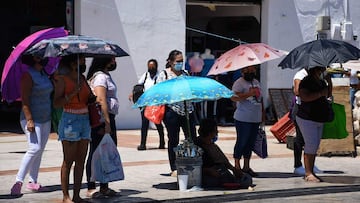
[76,44]
[322,52]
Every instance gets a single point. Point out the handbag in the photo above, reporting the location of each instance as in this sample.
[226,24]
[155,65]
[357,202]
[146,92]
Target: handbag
[155,114]
[95,114]
[336,129]
[138,90]
[260,146]
[106,163]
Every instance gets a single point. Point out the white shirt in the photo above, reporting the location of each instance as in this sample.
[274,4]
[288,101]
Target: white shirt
[149,82]
[299,76]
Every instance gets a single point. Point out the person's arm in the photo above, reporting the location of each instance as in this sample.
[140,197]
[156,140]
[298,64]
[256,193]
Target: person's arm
[100,93]
[296,86]
[26,84]
[239,96]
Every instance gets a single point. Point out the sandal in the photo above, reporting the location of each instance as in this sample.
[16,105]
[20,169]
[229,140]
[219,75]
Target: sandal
[108,192]
[312,179]
[251,172]
[90,193]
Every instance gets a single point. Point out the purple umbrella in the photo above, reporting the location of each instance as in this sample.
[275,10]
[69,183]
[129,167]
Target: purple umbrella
[14,68]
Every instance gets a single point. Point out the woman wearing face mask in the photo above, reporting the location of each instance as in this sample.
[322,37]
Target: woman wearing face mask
[72,93]
[248,116]
[216,166]
[105,90]
[175,118]
[35,120]
[149,79]
[311,115]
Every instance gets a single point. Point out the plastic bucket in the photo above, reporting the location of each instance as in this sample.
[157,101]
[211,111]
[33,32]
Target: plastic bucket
[190,166]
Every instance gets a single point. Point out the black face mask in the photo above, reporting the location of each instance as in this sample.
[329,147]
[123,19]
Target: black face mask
[249,76]
[152,71]
[82,68]
[44,62]
[112,67]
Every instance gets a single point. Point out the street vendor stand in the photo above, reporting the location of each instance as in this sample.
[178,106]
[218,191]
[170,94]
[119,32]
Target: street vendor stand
[345,146]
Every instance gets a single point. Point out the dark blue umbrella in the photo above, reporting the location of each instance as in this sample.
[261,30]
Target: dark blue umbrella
[322,52]
[76,44]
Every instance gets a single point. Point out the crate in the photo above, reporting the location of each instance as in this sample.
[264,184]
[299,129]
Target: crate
[283,127]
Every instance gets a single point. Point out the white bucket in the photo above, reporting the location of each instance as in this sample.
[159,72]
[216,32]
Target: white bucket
[183,182]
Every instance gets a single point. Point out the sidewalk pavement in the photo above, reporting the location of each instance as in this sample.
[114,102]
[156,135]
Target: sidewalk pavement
[147,174]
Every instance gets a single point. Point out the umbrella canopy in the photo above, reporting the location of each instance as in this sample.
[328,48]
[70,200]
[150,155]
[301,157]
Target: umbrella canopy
[244,55]
[76,44]
[322,52]
[183,88]
[14,68]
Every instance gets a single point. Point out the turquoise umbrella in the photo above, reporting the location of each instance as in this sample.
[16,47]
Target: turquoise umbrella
[183,89]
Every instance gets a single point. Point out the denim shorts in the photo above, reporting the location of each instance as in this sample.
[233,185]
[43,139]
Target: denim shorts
[74,127]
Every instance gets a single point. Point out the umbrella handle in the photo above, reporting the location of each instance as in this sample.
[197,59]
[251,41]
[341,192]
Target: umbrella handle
[188,122]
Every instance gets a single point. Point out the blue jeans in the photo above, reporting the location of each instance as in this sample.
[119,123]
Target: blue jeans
[245,138]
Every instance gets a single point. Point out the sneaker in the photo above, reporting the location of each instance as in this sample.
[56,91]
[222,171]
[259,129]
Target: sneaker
[299,171]
[33,186]
[141,147]
[317,170]
[173,173]
[16,189]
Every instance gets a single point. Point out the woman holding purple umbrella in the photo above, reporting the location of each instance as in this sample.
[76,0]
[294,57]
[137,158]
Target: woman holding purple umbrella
[35,120]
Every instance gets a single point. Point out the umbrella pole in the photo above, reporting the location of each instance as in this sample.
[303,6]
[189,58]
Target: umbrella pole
[78,70]
[188,122]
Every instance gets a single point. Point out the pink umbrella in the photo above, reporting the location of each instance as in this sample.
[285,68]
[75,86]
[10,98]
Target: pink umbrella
[14,68]
[244,55]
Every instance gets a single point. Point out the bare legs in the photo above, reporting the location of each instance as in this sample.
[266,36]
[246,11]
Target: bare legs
[309,162]
[73,152]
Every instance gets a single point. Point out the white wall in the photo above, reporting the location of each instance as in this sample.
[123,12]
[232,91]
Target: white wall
[288,23]
[152,28]
[144,28]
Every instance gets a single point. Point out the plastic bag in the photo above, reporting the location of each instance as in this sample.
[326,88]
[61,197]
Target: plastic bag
[260,147]
[155,114]
[106,163]
[336,129]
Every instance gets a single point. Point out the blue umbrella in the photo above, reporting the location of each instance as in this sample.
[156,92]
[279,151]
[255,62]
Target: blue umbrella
[183,88]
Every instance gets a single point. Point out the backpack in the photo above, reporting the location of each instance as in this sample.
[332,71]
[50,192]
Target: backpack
[138,90]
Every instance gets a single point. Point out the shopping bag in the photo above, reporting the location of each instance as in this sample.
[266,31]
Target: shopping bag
[155,114]
[106,163]
[260,146]
[336,129]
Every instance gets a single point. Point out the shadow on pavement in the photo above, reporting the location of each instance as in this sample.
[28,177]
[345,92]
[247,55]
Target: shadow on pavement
[270,194]
[8,196]
[123,196]
[341,179]
[276,175]
[167,186]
